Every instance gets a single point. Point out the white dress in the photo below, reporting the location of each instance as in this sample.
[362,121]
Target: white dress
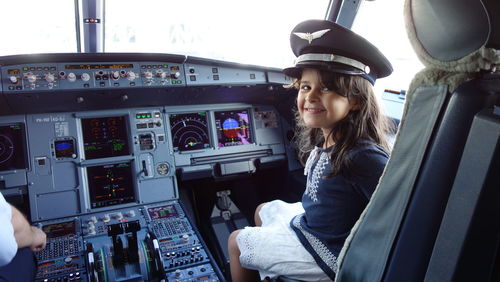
[274,249]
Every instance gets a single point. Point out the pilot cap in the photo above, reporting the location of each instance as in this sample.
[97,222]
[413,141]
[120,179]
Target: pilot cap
[325,45]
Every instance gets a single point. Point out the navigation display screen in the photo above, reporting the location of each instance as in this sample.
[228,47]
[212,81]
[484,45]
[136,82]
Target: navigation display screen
[12,147]
[233,128]
[60,229]
[189,131]
[110,185]
[163,212]
[105,137]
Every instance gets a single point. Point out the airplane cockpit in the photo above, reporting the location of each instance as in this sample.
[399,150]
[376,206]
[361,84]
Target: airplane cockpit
[139,137]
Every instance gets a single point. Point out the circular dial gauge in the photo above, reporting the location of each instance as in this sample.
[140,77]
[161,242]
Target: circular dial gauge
[189,131]
[162,168]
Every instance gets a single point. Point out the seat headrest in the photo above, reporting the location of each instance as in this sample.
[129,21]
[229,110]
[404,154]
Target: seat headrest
[455,35]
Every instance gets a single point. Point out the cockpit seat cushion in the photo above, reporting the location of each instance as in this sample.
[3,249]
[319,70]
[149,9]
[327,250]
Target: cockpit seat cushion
[451,39]
[451,35]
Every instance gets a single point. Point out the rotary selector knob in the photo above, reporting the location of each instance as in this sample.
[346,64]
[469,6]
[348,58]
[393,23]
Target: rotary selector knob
[71,77]
[93,219]
[130,213]
[106,218]
[148,75]
[91,230]
[175,75]
[50,77]
[31,78]
[85,76]
[119,216]
[131,75]
[115,75]
[13,79]
[161,74]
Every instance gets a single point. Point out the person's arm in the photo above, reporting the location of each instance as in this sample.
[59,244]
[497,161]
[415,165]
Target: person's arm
[25,234]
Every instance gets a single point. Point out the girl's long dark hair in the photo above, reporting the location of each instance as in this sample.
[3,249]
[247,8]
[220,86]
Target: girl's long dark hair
[366,123]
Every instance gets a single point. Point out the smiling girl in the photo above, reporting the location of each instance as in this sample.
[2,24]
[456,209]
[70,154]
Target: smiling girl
[340,134]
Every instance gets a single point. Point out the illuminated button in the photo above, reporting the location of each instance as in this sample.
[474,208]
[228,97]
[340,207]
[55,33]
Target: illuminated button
[11,87]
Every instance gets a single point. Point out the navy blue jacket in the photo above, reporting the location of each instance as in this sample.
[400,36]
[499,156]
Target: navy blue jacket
[333,205]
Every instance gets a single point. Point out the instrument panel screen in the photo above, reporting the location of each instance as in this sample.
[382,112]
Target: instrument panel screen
[12,147]
[189,131]
[105,137]
[110,185]
[60,229]
[163,212]
[233,128]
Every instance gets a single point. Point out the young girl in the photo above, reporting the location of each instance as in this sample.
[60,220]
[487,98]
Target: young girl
[341,134]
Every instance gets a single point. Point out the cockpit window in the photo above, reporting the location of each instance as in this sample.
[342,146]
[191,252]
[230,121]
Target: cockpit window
[44,27]
[381,22]
[251,32]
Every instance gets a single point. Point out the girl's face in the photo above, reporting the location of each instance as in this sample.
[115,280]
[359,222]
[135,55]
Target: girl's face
[320,107]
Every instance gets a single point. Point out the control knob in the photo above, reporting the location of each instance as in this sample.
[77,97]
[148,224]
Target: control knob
[91,230]
[71,77]
[49,77]
[106,218]
[130,213]
[31,78]
[119,216]
[175,75]
[115,75]
[85,76]
[148,75]
[131,75]
[161,74]
[13,79]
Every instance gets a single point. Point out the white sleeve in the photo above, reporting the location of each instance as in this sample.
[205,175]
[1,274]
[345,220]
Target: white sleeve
[8,245]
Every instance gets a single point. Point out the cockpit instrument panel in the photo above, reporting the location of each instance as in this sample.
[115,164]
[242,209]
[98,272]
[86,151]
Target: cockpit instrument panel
[233,128]
[12,147]
[162,212]
[189,131]
[110,185]
[105,137]
[60,229]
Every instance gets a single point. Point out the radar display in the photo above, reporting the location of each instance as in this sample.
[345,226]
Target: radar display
[189,131]
[12,147]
